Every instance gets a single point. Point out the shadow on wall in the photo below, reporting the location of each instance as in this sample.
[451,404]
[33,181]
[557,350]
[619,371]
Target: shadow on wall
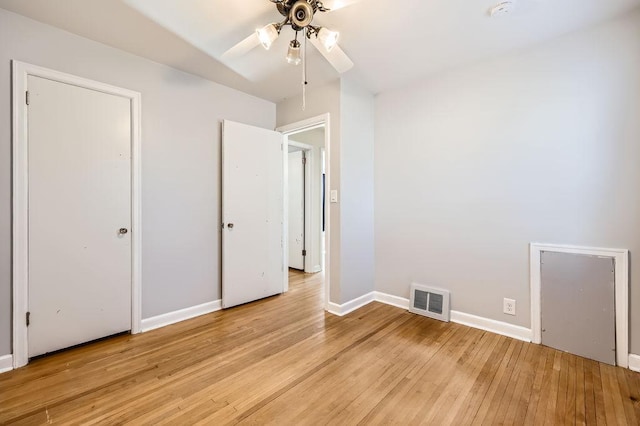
[179,78]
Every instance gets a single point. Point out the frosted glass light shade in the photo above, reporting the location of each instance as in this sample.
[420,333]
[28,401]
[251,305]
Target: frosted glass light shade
[293,54]
[267,35]
[328,38]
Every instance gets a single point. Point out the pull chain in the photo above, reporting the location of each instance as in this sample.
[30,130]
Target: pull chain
[304,72]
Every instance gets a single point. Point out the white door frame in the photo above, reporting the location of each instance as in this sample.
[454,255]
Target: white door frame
[310,163]
[621,261]
[322,120]
[20,174]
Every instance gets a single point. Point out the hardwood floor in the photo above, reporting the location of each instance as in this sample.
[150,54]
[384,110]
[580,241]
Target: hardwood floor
[283,360]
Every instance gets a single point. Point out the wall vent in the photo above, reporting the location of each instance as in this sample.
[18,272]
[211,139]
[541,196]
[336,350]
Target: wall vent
[430,302]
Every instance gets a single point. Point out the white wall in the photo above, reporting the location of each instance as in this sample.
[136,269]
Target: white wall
[181,117]
[357,142]
[472,165]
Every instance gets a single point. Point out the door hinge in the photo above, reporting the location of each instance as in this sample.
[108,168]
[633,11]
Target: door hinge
[28,318]
[26,97]
[304,160]
[304,252]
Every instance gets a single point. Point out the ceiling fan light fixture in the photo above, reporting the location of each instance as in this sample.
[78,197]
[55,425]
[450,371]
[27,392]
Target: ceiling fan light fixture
[293,54]
[267,35]
[328,38]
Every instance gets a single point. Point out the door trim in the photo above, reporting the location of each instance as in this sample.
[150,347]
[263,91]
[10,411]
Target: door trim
[20,176]
[323,120]
[621,261]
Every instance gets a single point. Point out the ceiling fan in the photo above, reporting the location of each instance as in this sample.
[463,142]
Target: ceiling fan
[299,15]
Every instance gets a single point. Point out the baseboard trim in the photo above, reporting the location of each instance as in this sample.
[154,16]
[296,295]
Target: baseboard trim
[169,318]
[634,362]
[351,305]
[493,326]
[6,363]
[398,302]
[334,308]
[498,327]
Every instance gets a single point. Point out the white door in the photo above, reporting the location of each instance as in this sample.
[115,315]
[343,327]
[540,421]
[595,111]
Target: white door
[79,199]
[252,214]
[296,210]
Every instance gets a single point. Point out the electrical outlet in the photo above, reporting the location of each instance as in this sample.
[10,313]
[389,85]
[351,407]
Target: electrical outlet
[509,306]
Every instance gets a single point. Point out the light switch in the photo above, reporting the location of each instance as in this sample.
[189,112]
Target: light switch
[334,196]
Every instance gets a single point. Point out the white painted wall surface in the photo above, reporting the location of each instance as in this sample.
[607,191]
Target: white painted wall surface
[314,137]
[181,116]
[357,142]
[472,165]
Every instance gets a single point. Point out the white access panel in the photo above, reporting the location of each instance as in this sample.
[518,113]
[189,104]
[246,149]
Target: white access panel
[578,304]
[296,210]
[252,213]
[79,199]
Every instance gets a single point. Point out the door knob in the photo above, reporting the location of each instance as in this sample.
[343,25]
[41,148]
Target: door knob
[230,225]
[123,231]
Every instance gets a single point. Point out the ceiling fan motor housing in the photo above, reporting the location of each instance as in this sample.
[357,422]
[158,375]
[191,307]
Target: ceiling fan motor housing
[301,14]
[284,6]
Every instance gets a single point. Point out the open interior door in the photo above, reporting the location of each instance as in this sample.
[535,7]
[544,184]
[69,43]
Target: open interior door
[252,213]
[296,210]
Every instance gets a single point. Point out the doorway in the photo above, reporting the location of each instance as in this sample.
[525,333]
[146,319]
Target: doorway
[309,139]
[76,211]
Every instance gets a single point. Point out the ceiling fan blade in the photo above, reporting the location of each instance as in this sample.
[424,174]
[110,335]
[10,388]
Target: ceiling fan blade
[333,5]
[242,48]
[336,56]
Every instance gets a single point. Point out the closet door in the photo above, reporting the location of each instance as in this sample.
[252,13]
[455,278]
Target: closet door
[79,215]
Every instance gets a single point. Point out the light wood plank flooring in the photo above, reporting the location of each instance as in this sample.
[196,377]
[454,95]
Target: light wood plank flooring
[284,361]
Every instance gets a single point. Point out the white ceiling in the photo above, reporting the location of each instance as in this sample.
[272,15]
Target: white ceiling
[392,43]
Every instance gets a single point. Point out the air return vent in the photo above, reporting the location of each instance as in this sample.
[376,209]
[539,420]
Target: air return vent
[430,302]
